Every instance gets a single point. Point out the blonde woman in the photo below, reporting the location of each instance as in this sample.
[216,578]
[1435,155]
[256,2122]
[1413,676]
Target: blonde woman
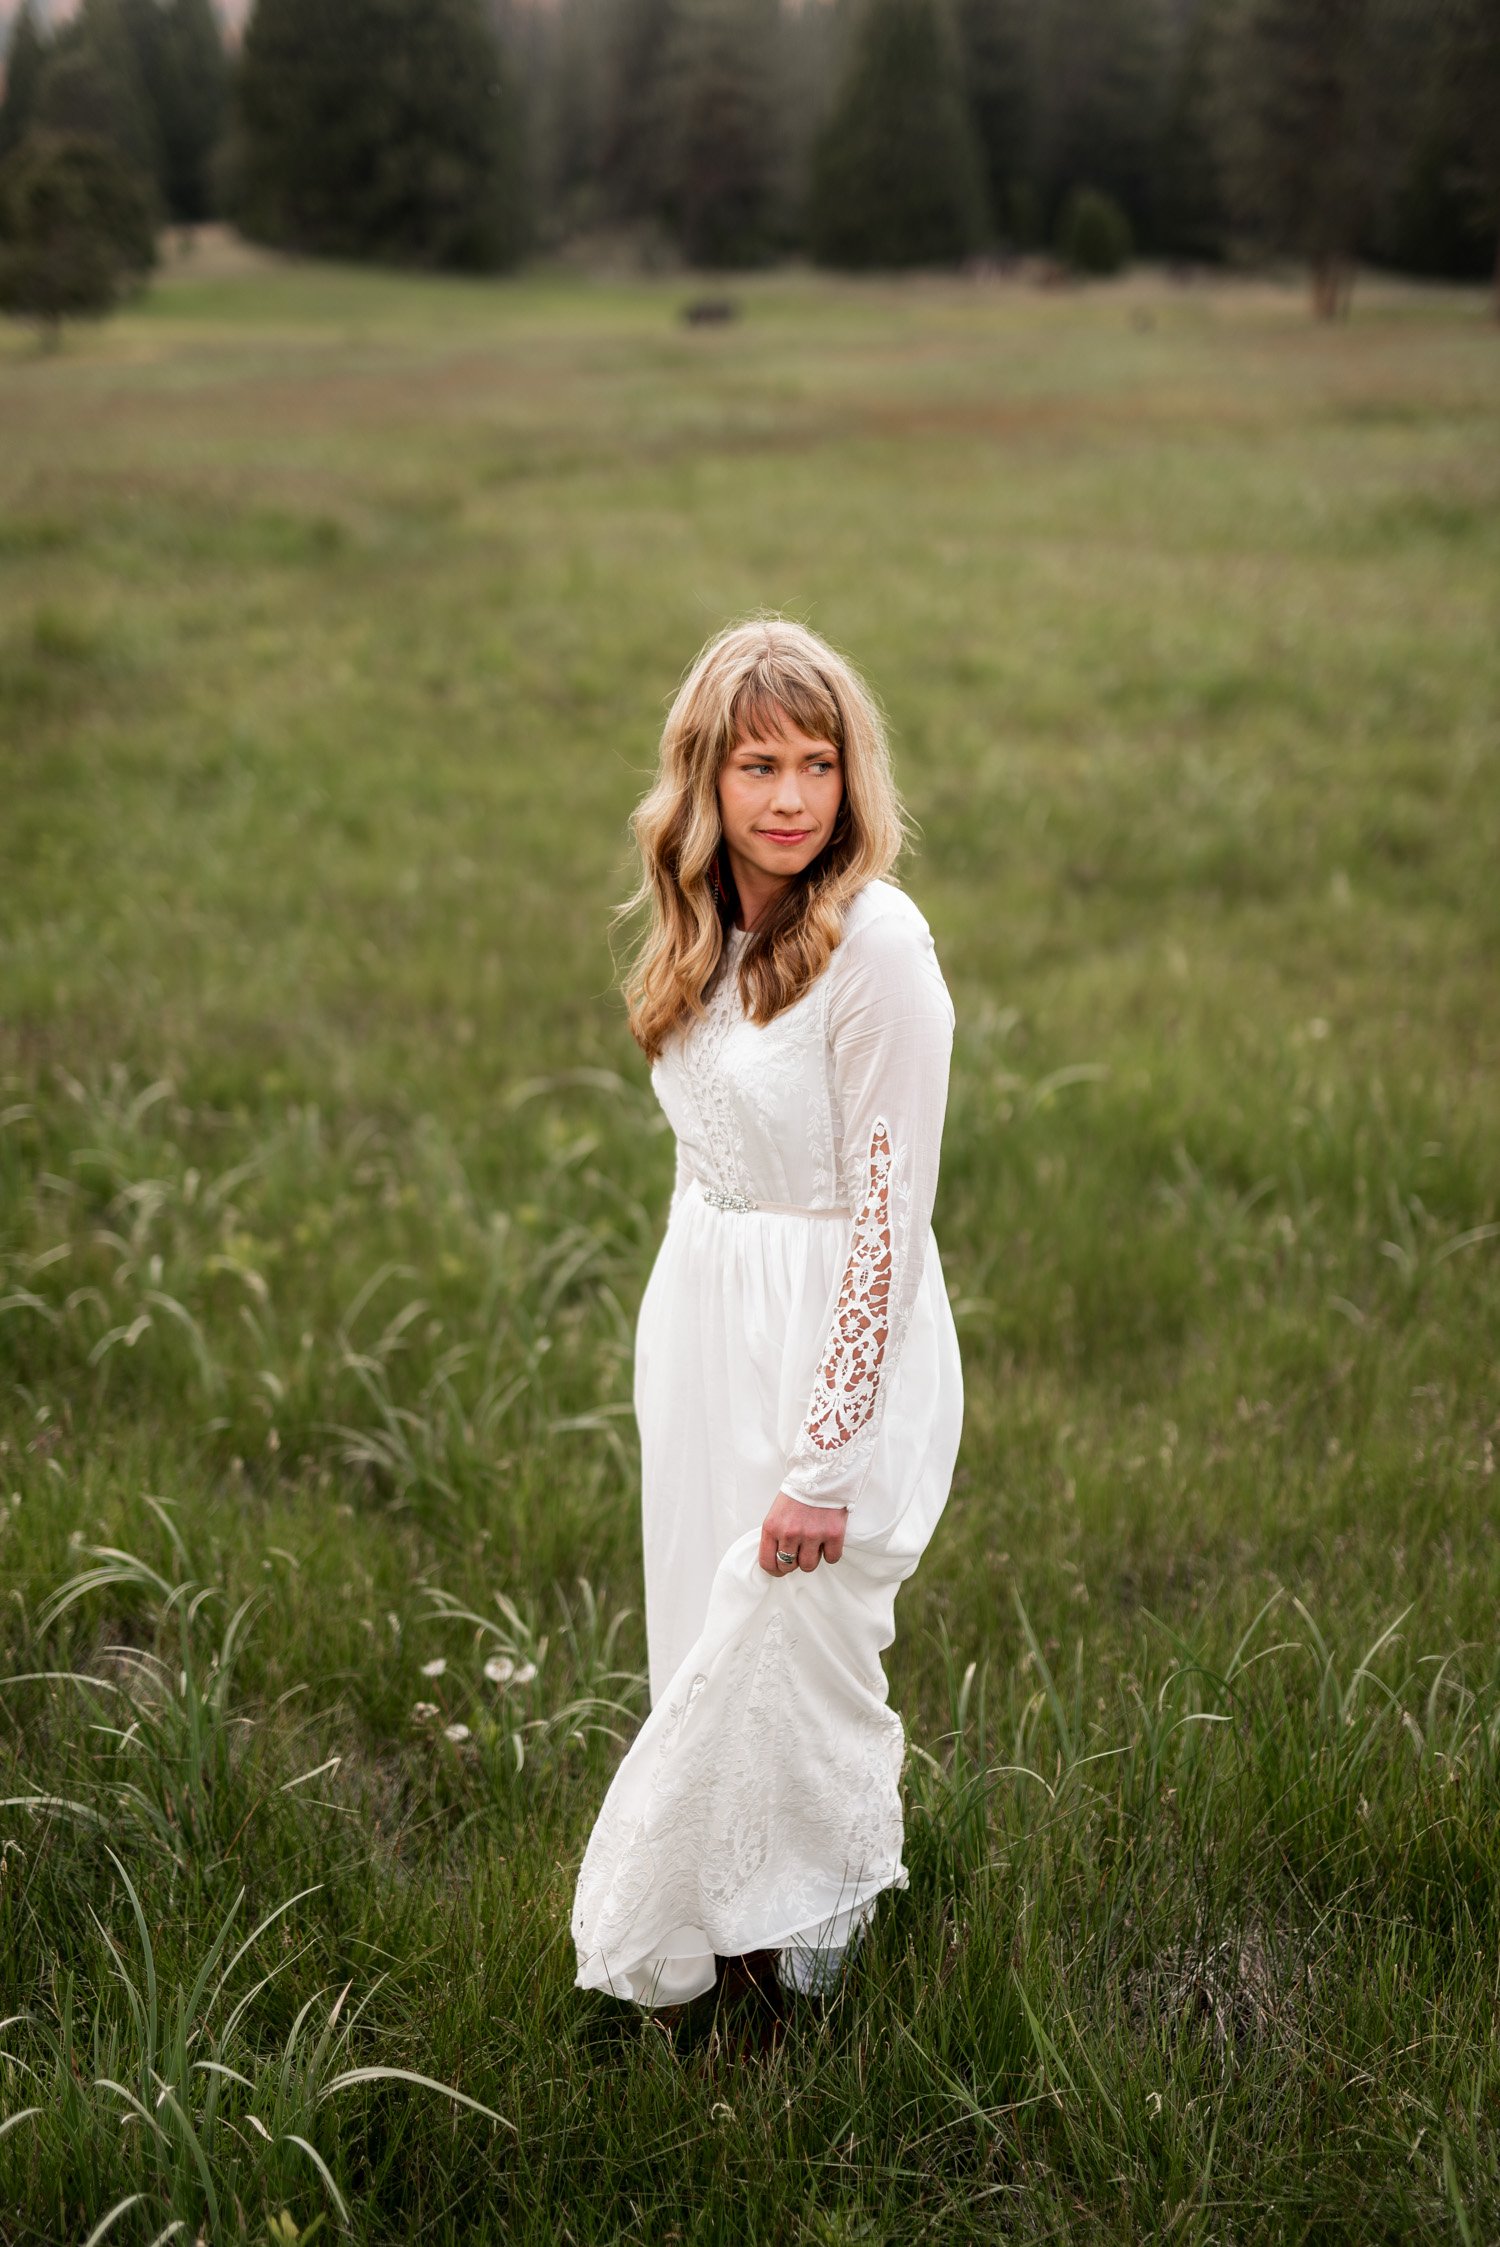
[797,1379]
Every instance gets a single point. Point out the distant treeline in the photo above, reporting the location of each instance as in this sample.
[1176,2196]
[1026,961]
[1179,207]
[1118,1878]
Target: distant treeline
[865,133]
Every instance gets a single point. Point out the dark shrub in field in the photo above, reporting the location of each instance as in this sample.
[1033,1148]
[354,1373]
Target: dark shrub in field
[1093,233]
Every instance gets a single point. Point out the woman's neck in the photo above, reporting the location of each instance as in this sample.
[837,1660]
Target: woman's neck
[755,903]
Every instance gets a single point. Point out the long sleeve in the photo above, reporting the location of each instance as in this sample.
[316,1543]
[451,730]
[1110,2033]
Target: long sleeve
[891,1034]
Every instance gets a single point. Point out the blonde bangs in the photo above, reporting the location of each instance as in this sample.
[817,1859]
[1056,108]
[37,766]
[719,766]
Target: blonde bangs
[752,682]
[767,704]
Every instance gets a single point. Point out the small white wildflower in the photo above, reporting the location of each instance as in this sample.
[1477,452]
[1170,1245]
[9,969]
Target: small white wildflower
[499,1669]
[455,1732]
[525,1673]
[423,1712]
[436,1666]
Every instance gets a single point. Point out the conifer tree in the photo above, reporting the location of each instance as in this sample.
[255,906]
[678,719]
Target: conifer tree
[1098,82]
[76,228]
[721,138]
[91,84]
[384,129]
[1187,197]
[1471,74]
[1309,102]
[184,72]
[897,178]
[637,37]
[25,60]
[565,86]
[998,47]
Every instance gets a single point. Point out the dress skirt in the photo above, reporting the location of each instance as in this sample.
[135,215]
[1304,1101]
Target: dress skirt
[759,1807]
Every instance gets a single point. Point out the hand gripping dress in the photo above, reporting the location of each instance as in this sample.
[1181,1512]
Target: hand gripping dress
[795,1334]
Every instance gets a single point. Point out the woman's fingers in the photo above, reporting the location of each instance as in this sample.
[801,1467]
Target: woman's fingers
[806,1545]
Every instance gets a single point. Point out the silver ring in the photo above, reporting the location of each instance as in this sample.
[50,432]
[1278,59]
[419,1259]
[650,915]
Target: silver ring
[787,1560]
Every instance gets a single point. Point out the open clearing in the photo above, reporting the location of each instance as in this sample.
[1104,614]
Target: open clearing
[338,614]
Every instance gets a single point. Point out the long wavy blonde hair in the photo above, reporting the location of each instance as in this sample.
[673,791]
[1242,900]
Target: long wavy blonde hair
[751,682]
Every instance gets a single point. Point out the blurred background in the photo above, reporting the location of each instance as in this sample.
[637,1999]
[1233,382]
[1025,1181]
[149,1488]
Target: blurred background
[867,133]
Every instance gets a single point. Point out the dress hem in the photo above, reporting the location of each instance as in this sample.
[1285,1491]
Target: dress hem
[648,1969]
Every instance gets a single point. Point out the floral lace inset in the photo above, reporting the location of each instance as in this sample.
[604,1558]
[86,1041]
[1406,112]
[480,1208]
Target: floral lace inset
[703,1062]
[841,1414]
[752,1095]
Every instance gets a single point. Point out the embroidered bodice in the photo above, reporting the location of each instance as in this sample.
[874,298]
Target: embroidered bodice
[838,1102]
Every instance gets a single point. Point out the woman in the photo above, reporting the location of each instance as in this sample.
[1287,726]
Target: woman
[797,1378]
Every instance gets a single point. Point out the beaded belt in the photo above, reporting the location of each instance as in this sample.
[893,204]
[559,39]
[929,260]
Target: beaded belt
[716,1200]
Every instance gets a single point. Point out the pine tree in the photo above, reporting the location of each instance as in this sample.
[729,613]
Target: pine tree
[1472,83]
[184,72]
[811,51]
[998,46]
[1098,83]
[385,129]
[25,60]
[91,84]
[76,228]
[721,153]
[563,73]
[637,38]
[1309,103]
[1187,197]
[897,177]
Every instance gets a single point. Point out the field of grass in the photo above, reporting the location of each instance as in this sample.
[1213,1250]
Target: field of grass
[338,613]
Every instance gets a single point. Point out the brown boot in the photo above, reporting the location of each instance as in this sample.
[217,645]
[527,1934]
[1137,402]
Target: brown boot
[751,2005]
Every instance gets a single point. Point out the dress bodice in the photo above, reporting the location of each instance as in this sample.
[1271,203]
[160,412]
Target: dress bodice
[836,1103]
[751,1103]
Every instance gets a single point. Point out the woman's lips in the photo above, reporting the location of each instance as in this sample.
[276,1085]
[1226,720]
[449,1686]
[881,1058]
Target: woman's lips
[784,834]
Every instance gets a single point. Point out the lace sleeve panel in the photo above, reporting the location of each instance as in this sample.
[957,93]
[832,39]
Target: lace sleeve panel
[891,1032]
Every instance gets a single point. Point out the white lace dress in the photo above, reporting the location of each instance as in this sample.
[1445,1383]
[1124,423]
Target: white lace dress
[795,1334]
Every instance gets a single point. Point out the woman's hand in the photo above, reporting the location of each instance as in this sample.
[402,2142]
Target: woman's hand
[813,1533]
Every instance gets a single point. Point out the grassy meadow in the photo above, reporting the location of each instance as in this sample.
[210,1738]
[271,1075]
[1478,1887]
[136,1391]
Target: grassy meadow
[338,614]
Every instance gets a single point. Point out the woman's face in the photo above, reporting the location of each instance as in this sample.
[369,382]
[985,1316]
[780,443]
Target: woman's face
[778,800]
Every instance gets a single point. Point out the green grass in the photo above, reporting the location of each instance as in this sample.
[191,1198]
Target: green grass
[338,613]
